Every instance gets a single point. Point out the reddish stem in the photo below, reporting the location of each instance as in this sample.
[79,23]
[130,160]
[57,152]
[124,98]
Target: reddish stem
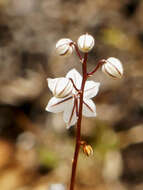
[74,85]
[78,135]
[77,51]
[102,61]
[76,105]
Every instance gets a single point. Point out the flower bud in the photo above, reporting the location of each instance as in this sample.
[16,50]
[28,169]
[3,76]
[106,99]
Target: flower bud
[64,47]
[87,149]
[60,87]
[113,67]
[85,43]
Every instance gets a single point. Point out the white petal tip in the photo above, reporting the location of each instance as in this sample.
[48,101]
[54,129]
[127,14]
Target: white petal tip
[47,109]
[68,126]
[73,70]
[94,115]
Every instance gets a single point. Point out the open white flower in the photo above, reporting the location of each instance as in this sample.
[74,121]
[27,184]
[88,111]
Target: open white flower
[60,87]
[69,104]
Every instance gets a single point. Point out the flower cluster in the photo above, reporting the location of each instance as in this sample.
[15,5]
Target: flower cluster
[73,93]
[66,97]
[66,90]
[65,47]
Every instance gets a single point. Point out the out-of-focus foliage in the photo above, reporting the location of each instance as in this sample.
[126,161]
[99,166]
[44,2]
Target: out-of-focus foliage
[47,158]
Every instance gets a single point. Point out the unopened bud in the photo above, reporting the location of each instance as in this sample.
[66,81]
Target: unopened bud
[113,67]
[87,149]
[60,87]
[64,47]
[85,43]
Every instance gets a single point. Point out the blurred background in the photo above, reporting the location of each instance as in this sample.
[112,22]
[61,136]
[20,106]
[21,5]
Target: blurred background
[36,150]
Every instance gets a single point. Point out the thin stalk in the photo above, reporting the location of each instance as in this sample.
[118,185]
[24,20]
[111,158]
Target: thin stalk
[74,84]
[77,52]
[78,133]
[102,61]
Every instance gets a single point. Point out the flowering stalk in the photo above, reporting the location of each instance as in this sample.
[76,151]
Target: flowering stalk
[73,94]
[78,135]
[101,62]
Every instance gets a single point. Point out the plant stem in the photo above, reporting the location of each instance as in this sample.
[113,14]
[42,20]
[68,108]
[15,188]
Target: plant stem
[78,133]
[102,61]
[77,51]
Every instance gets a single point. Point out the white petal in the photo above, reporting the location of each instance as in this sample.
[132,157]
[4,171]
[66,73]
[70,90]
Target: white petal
[52,84]
[56,105]
[76,77]
[117,63]
[85,43]
[60,87]
[91,89]
[64,47]
[63,88]
[113,67]
[89,108]
[69,116]
[111,71]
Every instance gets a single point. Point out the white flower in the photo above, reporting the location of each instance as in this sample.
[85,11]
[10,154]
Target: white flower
[61,87]
[85,43]
[68,105]
[64,47]
[113,67]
